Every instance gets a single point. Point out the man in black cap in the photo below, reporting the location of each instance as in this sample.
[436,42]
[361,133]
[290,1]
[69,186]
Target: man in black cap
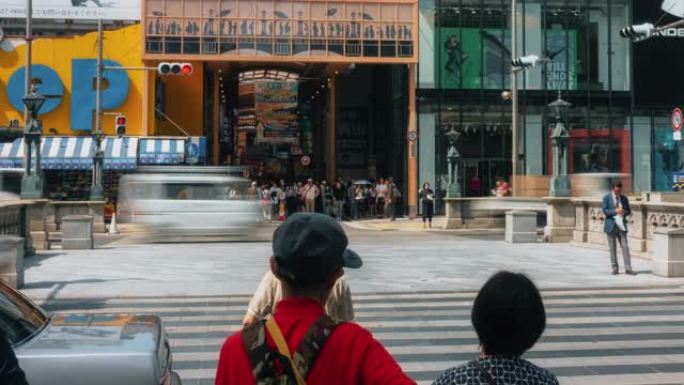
[300,344]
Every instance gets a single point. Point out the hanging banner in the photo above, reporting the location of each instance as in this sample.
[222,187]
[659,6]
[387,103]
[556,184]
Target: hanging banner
[276,111]
[73,9]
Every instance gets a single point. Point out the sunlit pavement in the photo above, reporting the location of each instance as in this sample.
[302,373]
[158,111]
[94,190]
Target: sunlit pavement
[393,261]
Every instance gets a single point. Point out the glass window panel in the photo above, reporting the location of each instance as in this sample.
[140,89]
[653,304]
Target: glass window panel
[619,46]
[174,8]
[155,8]
[388,12]
[192,8]
[228,8]
[210,8]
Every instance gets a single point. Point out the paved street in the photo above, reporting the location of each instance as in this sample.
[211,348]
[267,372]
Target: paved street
[414,291]
[393,261]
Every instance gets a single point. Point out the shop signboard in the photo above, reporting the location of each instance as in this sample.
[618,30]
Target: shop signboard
[73,9]
[473,58]
[276,111]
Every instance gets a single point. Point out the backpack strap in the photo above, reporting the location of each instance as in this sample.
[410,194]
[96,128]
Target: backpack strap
[313,342]
[269,367]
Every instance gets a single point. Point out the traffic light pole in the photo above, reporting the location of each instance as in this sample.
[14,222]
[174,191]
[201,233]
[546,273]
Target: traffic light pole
[515,180]
[96,189]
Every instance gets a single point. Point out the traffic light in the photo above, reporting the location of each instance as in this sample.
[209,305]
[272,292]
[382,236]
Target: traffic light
[640,31]
[528,61]
[120,125]
[186,69]
[165,68]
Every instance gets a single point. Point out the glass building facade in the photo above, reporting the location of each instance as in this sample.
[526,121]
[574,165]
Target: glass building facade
[464,66]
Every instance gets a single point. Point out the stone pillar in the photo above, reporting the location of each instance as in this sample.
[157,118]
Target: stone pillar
[12,261]
[560,220]
[521,227]
[668,253]
[39,224]
[637,236]
[580,234]
[78,232]
[454,213]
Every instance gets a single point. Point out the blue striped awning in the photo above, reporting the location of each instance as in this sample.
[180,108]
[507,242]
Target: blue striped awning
[120,153]
[66,153]
[196,150]
[162,151]
[8,155]
[57,153]
[74,153]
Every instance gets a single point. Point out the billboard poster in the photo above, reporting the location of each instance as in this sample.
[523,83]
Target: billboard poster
[467,53]
[276,111]
[74,9]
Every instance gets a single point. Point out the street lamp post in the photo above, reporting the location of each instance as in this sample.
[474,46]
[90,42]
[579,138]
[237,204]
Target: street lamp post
[514,102]
[454,188]
[560,182]
[32,181]
[96,189]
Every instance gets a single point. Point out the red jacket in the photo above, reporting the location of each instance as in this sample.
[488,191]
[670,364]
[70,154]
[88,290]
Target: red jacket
[351,355]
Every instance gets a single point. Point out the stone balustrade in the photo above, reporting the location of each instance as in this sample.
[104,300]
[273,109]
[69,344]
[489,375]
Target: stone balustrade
[647,215]
[487,213]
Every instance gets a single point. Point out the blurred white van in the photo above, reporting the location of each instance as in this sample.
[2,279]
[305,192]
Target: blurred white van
[177,204]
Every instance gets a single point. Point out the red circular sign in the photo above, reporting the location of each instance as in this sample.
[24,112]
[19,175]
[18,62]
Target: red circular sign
[305,160]
[412,136]
[677,119]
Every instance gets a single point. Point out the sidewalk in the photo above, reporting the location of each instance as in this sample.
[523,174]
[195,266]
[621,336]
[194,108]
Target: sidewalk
[412,225]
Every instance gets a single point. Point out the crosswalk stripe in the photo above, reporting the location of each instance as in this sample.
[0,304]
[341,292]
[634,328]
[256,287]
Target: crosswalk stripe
[590,335]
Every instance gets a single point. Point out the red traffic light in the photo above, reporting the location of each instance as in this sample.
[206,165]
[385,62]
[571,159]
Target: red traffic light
[184,69]
[120,120]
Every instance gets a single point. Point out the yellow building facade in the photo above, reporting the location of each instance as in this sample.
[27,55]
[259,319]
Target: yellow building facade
[64,69]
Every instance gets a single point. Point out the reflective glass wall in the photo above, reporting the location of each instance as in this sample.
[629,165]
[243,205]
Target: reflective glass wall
[465,55]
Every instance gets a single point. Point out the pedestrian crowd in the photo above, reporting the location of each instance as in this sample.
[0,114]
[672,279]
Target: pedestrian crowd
[343,200]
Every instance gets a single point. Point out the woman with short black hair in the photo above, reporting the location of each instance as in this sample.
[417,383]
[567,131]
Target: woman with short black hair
[509,317]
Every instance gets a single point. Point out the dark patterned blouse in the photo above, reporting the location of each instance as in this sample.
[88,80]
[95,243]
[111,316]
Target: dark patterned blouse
[502,371]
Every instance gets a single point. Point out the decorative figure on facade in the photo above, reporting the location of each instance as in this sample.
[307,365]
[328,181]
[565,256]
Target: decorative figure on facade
[560,181]
[453,157]
[32,181]
[455,57]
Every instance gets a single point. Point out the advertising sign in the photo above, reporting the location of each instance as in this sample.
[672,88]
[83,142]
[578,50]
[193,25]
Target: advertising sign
[276,111]
[73,9]
[470,58]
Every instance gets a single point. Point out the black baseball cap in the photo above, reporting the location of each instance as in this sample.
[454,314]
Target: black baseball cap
[310,247]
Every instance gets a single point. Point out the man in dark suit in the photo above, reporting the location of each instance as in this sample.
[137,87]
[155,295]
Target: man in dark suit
[615,204]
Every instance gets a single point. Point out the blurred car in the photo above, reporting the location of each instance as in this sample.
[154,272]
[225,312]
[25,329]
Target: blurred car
[188,204]
[85,349]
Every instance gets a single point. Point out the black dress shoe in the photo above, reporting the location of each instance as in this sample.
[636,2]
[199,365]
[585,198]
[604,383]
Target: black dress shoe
[615,272]
[630,272]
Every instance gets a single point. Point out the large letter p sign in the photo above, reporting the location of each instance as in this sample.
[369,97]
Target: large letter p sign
[84,72]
